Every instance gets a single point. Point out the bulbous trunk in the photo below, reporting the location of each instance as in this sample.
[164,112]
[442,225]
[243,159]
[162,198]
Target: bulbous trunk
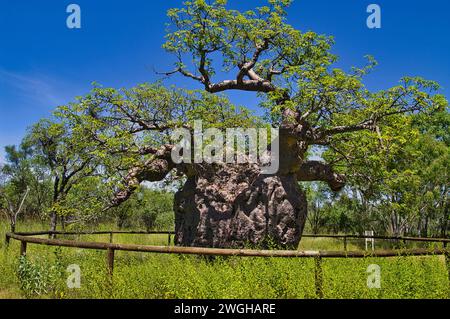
[236,206]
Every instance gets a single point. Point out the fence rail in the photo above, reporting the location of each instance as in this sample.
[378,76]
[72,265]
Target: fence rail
[221,251]
[166,232]
[111,247]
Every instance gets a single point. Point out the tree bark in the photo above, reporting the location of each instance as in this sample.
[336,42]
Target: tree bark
[236,206]
[53,221]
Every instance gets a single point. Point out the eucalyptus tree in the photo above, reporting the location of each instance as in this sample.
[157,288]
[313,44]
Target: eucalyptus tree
[398,176]
[292,75]
[24,188]
[67,164]
[15,180]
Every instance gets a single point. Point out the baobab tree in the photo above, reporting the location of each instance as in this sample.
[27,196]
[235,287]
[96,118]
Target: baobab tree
[311,103]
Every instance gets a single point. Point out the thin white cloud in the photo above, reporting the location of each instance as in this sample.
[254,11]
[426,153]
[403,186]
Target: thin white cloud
[33,87]
[22,90]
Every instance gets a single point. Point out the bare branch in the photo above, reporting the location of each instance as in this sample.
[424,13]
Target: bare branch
[183,72]
[21,204]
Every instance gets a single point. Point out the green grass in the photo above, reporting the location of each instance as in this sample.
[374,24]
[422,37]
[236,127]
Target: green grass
[145,275]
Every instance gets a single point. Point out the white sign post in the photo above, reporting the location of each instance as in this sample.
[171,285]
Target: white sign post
[371,240]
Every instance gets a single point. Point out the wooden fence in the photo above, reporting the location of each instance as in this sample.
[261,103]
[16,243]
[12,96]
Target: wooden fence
[111,247]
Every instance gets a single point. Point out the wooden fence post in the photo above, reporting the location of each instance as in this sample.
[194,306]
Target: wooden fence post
[169,239]
[447,263]
[110,254]
[23,248]
[345,243]
[7,240]
[318,276]
[111,237]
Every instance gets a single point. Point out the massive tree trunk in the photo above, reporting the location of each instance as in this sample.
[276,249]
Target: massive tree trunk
[236,206]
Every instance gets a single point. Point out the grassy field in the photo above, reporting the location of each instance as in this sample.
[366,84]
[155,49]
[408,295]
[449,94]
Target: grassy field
[43,273]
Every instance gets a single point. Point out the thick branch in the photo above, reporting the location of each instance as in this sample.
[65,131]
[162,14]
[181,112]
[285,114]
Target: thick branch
[318,171]
[153,170]
[255,83]
[246,67]
[322,137]
[202,69]
[366,125]
[246,85]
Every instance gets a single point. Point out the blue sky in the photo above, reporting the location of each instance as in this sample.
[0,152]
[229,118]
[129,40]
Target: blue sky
[44,64]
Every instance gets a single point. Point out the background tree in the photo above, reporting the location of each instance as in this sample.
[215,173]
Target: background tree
[397,177]
[22,186]
[317,201]
[67,163]
[147,207]
[10,203]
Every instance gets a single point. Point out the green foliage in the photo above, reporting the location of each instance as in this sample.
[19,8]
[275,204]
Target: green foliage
[397,179]
[37,278]
[204,30]
[120,129]
[68,165]
[296,66]
[20,173]
[149,208]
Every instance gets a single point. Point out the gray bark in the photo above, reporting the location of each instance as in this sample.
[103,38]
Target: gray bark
[234,206]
